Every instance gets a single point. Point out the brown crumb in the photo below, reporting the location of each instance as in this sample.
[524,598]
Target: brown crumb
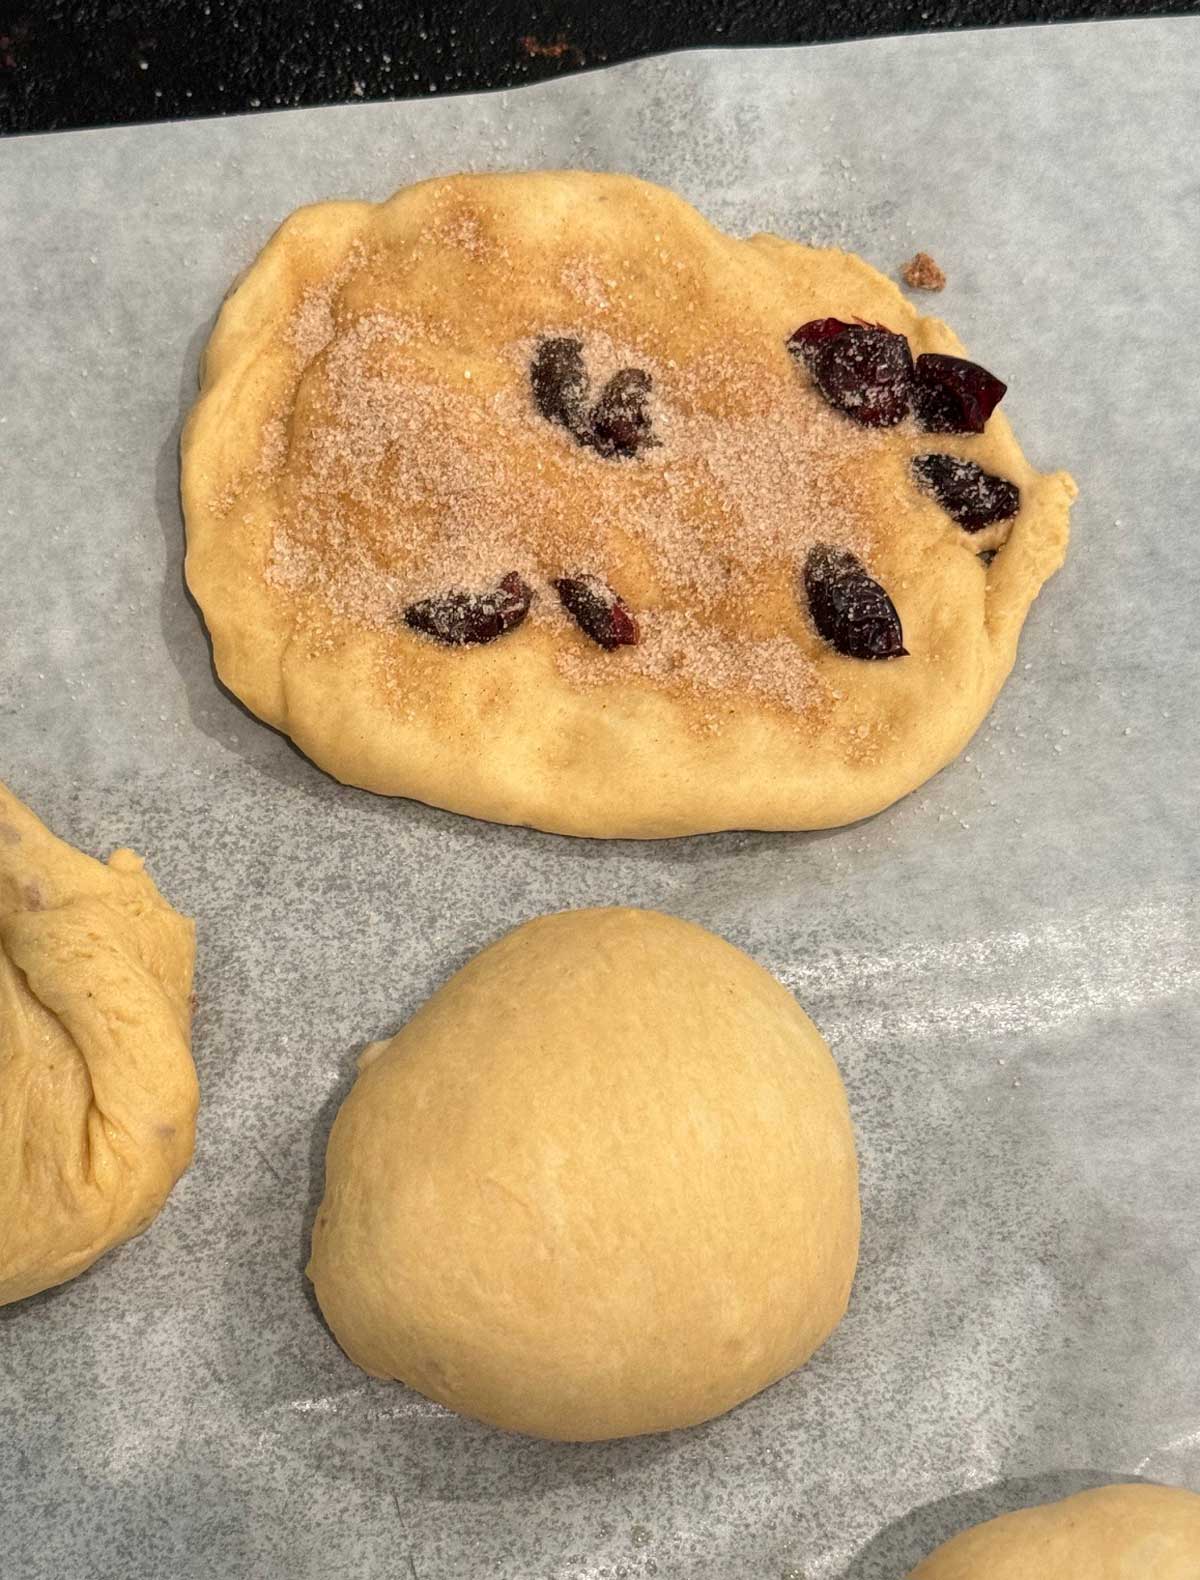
[555,49]
[923,274]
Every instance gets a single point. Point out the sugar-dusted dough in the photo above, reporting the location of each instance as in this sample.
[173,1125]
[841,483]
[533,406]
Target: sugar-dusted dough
[1131,1531]
[98,1091]
[367,438]
[602,1183]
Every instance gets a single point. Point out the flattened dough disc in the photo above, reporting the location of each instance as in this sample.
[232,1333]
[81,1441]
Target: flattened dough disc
[368,442]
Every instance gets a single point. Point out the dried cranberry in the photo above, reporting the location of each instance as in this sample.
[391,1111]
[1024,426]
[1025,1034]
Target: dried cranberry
[620,422]
[598,611]
[973,497]
[952,395]
[807,340]
[863,370]
[463,619]
[849,608]
[560,383]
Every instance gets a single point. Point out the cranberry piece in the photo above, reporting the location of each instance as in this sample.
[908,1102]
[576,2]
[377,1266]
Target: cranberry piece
[464,619]
[808,339]
[973,497]
[952,395]
[560,383]
[863,370]
[849,608]
[598,611]
[620,422]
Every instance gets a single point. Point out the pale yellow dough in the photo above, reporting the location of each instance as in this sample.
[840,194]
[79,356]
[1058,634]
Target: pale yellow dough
[602,1183]
[308,528]
[98,1092]
[1124,1532]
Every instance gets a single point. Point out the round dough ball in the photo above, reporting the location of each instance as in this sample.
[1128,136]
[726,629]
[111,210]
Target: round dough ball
[1130,1532]
[98,1092]
[602,1183]
[508,494]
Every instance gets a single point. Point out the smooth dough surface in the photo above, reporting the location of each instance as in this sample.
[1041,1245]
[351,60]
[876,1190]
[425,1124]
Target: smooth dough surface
[366,437]
[98,1092]
[1133,1531]
[602,1183]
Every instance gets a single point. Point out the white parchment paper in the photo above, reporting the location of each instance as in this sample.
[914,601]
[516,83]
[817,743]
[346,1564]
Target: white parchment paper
[1005,964]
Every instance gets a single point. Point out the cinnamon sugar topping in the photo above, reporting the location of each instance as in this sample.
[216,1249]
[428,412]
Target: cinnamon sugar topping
[413,469]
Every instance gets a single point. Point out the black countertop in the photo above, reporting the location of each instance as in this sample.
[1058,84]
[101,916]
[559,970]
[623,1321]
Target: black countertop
[93,63]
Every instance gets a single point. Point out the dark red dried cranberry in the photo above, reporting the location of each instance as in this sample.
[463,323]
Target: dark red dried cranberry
[463,619]
[560,383]
[863,370]
[807,340]
[849,608]
[972,497]
[620,422]
[598,611]
[952,395]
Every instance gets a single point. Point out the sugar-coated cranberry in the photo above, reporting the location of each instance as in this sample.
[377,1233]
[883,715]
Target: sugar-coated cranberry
[952,395]
[598,611]
[805,341]
[463,619]
[864,370]
[560,382]
[849,608]
[969,495]
[620,419]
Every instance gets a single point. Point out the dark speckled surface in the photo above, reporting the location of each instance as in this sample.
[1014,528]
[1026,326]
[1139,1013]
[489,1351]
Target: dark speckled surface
[92,63]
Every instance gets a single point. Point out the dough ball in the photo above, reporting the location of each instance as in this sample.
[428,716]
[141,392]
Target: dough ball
[1133,1532]
[98,1092]
[602,1183]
